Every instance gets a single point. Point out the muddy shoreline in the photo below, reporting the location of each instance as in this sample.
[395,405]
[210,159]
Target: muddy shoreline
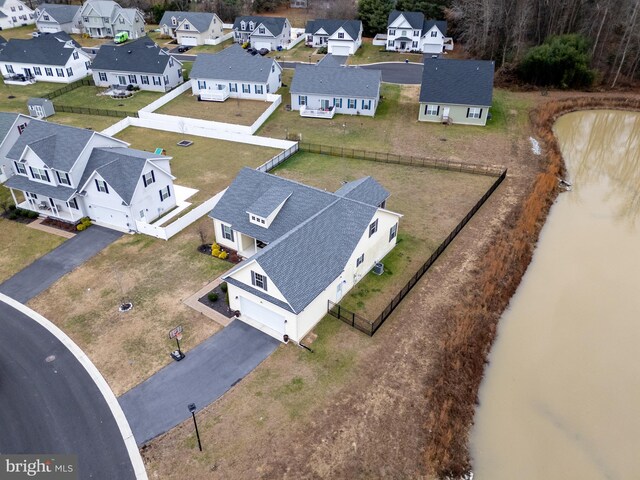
[464,340]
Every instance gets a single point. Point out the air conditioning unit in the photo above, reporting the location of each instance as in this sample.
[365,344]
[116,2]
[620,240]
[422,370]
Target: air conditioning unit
[378,268]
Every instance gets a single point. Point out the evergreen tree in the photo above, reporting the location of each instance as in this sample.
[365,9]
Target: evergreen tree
[374,15]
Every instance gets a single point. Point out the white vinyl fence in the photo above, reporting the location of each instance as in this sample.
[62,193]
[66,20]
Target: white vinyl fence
[219,40]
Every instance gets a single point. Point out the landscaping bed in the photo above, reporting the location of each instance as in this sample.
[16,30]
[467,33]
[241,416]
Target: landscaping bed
[218,300]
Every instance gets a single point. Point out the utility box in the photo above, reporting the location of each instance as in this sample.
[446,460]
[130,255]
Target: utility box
[40,107]
[378,268]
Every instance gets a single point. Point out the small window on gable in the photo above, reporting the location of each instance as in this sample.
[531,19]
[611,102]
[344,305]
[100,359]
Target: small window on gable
[373,228]
[340,35]
[360,260]
[258,280]
[434,34]
[148,178]
[261,30]
[76,55]
[101,185]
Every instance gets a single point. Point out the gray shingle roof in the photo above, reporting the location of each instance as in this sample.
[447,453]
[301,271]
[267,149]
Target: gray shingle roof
[338,81]
[366,190]
[140,56]
[120,167]
[200,20]
[458,82]
[415,19]
[48,49]
[6,122]
[233,63]
[266,204]
[60,13]
[352,27]
[57,145]
[441,24]
[331,60]
[3,41]
[274,24]
[310,240]
[23,183]
[37,101]
[104,8]
[260,293]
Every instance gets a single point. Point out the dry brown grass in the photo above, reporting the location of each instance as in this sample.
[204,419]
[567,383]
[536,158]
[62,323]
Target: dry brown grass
[465,340]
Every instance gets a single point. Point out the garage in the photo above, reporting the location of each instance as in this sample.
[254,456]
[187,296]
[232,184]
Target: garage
[108,216]
[258,45]
[341,50]
[188,41]
[262,315]
[50,29]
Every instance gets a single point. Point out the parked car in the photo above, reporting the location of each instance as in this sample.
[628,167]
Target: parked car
[183,48]
[36,34]
[263,51]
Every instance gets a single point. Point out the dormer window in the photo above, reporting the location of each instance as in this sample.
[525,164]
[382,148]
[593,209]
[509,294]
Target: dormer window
[174,21]
[243,25]
[257,220]
[20,168]
[63,178]
[39,174]
[46,17]
[252,25]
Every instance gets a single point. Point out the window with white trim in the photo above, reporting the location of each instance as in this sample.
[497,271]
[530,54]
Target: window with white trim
[416,33]
[351,103]
[174,21]
[165,193]
[259,280]
[102,76]
[9,68]
[360,260]
[373,228]
[366,104]
[69,72]
[261,31]
[414,45]
[39,174]
[144,79]
[393,231]
[48,72]
[391,43]
[434,34]
[474,112]
[73,203]
[63,178]
[186,26]
[431,109]
[101,185]
[233,87]
[31,195]
[157,81]
[258,89]
[20,168]
[133,79]
[227,232]
[76,55]
[246,88]
[337,102]
[392,32]
[148,178]
[302,100]
[251,25]
[60,72]
[340,34]
[37,71]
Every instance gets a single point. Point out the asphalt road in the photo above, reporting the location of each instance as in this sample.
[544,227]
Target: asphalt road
[42,273]
[205,374]
[54,406]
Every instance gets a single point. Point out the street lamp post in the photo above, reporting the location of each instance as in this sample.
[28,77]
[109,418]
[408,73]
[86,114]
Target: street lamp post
[192,409]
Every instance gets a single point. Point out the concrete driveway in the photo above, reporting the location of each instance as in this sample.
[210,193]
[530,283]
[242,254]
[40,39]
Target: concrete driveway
[208,371]
[45,271]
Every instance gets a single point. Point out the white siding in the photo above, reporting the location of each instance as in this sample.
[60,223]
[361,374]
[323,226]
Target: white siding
[21,15]
[148,198]
[78,67]
[174,74]
[314,102]
[274,82]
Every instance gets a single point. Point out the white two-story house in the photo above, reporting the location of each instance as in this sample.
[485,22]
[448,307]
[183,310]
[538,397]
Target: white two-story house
[341,37]
[191,28]
[68,173]
[139,63]
[55,17]
[262,32]
[105,18]
[234,72]
[15,13]
[303,247]
[49,58]
[411,32]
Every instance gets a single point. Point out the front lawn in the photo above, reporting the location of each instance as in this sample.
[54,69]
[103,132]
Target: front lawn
[21,245]
[155,275]
[232,110]
[299,53]
[19,32]
[431,201]
[87,41]
[90,97]
[369,53]
[210,48]
[209,165]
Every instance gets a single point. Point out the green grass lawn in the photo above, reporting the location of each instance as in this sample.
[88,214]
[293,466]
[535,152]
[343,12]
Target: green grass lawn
[90,97]
[233,110]
[13,98]
[93,122]
[21,245]
[300,53]
[369,53]
[210,48]
[209,165]
[19,32]
[431,201]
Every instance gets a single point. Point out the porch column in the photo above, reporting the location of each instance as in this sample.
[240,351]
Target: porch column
[54,207]
[13,195]
[73,218]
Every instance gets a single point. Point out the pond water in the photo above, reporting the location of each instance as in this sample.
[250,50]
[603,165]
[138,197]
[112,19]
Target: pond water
[561,395]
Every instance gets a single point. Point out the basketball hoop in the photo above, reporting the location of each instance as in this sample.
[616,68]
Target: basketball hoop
[179,336]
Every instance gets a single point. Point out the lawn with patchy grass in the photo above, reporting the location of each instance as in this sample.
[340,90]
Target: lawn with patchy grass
[155,275]
[21,245]
[19,32]
[92,122]
[209,165]
[210,48]
[92,97]
[233,110]
[431,201]
[369,53]
[13,98]
[299,53]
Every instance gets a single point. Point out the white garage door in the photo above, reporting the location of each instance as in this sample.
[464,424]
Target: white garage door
[49,29]
[108,216]
[339,50]
[262,315]
[189,41]
[259,45]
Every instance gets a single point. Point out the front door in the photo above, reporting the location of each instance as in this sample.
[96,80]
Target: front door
[122,80]
[445,113]
[339,292]
[324,104]
[403,45]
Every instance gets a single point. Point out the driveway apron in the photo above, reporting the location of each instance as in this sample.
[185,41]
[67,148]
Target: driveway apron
[45,271]
[205,374]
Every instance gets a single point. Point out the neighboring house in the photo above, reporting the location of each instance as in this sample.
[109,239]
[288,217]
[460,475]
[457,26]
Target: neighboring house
[191,28]
[298,4]
[139,63]
[411,32]
[456,91]
[341,37]
[53,17]
[14,13]
[302,246]
[40,107]
[105,18]
[68,173]
[55,57]
[234,72]
[262,32]
[324,89]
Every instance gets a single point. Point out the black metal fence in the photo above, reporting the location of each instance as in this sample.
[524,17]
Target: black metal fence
[370,327]
[85,82]
[382,157]
[278,159]
[95,111]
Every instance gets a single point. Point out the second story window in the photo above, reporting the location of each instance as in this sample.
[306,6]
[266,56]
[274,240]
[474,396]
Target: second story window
[261,30]
[259,280]
[434,34]
[148,178]
[39,174]
[101,185]
[63,178]
[76,55]
[392,32]
[20,168]
[373,228]
[340,35]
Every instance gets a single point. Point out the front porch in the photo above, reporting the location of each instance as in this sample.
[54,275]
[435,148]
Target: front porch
[51,208]
[248,246]
[317,113]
